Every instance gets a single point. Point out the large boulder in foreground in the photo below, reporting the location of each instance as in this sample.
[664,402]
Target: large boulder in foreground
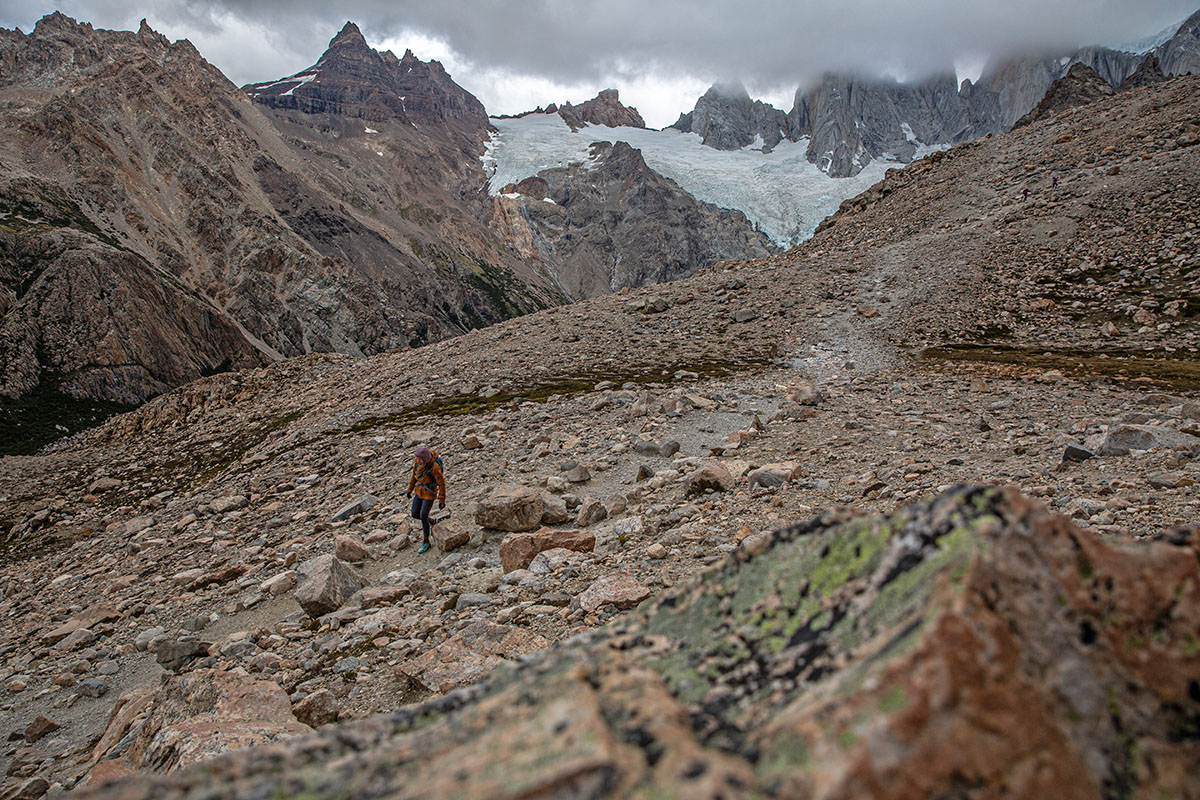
[510,508]
[970,646]
[196,716]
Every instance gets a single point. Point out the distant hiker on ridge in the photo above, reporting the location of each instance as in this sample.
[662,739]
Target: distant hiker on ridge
[430,485]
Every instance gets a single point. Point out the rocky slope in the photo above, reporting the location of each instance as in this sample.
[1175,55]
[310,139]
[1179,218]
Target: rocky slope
[852,120]
[974,640]
[613,223]
[942,329]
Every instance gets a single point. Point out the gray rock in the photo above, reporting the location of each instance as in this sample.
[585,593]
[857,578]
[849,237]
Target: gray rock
[645,447]
[1077,453]
[348,665]
[328,583]
[510,508]
[1119,440]
[359,506]
[668,449]
[91,687]
[174,654]
[472,600]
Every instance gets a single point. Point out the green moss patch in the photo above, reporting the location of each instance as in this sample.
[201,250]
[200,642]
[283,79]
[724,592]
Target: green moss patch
[1175,370]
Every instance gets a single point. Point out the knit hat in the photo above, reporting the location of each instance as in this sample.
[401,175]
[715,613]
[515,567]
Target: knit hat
[424,453]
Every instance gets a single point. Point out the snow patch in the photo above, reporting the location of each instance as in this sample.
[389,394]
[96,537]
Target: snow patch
[908,133]
[780,191]
[303,79]
[370,130]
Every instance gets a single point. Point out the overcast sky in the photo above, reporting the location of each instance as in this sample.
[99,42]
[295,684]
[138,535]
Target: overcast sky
[661,54]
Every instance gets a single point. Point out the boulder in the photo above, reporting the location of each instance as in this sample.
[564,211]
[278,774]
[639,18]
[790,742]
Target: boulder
[317,709]
[1119,440]
[350,548]
[279,584]
[197,716]
[590,512]
[449,535]
[554,509]
[712,477]
[510,508]
[771,475]
[618,589]
[518,550]
[223,505]
[328,583]
[359,506]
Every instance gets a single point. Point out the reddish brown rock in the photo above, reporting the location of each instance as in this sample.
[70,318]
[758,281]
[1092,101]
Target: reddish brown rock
[621,590]
[517,550]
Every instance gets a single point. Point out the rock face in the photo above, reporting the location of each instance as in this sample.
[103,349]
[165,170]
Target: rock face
[726,118]
[615,223]
[852,120]
[1080,86]
[974,637]
[604,109]
[223,233]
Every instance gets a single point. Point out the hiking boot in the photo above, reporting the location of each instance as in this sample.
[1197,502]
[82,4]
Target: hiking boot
[424,546]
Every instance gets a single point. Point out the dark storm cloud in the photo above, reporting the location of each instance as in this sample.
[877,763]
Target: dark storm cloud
[767,43]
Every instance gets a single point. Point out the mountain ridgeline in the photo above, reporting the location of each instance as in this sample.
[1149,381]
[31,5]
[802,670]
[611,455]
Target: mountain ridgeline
[851,120]
[159,224]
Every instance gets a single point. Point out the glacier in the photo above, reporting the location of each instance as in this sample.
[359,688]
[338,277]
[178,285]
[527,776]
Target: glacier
[781,193]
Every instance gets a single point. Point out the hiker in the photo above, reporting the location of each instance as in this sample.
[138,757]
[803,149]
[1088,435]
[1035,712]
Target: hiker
[430,485]
[1025,194]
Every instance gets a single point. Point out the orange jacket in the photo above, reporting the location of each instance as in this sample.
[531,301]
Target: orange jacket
[425,480]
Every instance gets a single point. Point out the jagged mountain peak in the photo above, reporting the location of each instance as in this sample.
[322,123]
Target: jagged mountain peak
[605,109]
[351,79]
[1080,86]
[348,35]
[58,21]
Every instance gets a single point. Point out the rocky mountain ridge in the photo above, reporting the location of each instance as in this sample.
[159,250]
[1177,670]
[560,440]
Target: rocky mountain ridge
[341,209]
[850,120]
[614,223]
[944,328]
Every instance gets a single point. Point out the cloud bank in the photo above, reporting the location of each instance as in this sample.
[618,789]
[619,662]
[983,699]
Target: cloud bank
[662,55]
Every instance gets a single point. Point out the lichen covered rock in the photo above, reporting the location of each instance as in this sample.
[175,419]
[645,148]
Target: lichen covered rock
[973,640]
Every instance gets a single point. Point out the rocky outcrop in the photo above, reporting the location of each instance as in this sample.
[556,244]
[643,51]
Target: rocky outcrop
[222,233]
[1080,86]
[853,120]
[353,80]
[1148,73]
[974,638]
[603,109]
[613,222]
[1181,54]
[726,118]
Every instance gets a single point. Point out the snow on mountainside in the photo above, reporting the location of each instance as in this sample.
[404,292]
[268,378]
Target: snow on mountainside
[781,192]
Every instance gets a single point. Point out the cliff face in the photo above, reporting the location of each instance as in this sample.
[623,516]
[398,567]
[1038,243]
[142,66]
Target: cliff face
[726,118]
[218,232]
[613,222]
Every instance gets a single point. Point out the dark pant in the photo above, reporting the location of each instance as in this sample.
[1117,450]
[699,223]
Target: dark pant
[420,510]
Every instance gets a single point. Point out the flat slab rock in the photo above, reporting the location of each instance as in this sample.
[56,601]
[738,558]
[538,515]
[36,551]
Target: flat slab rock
[517,550]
